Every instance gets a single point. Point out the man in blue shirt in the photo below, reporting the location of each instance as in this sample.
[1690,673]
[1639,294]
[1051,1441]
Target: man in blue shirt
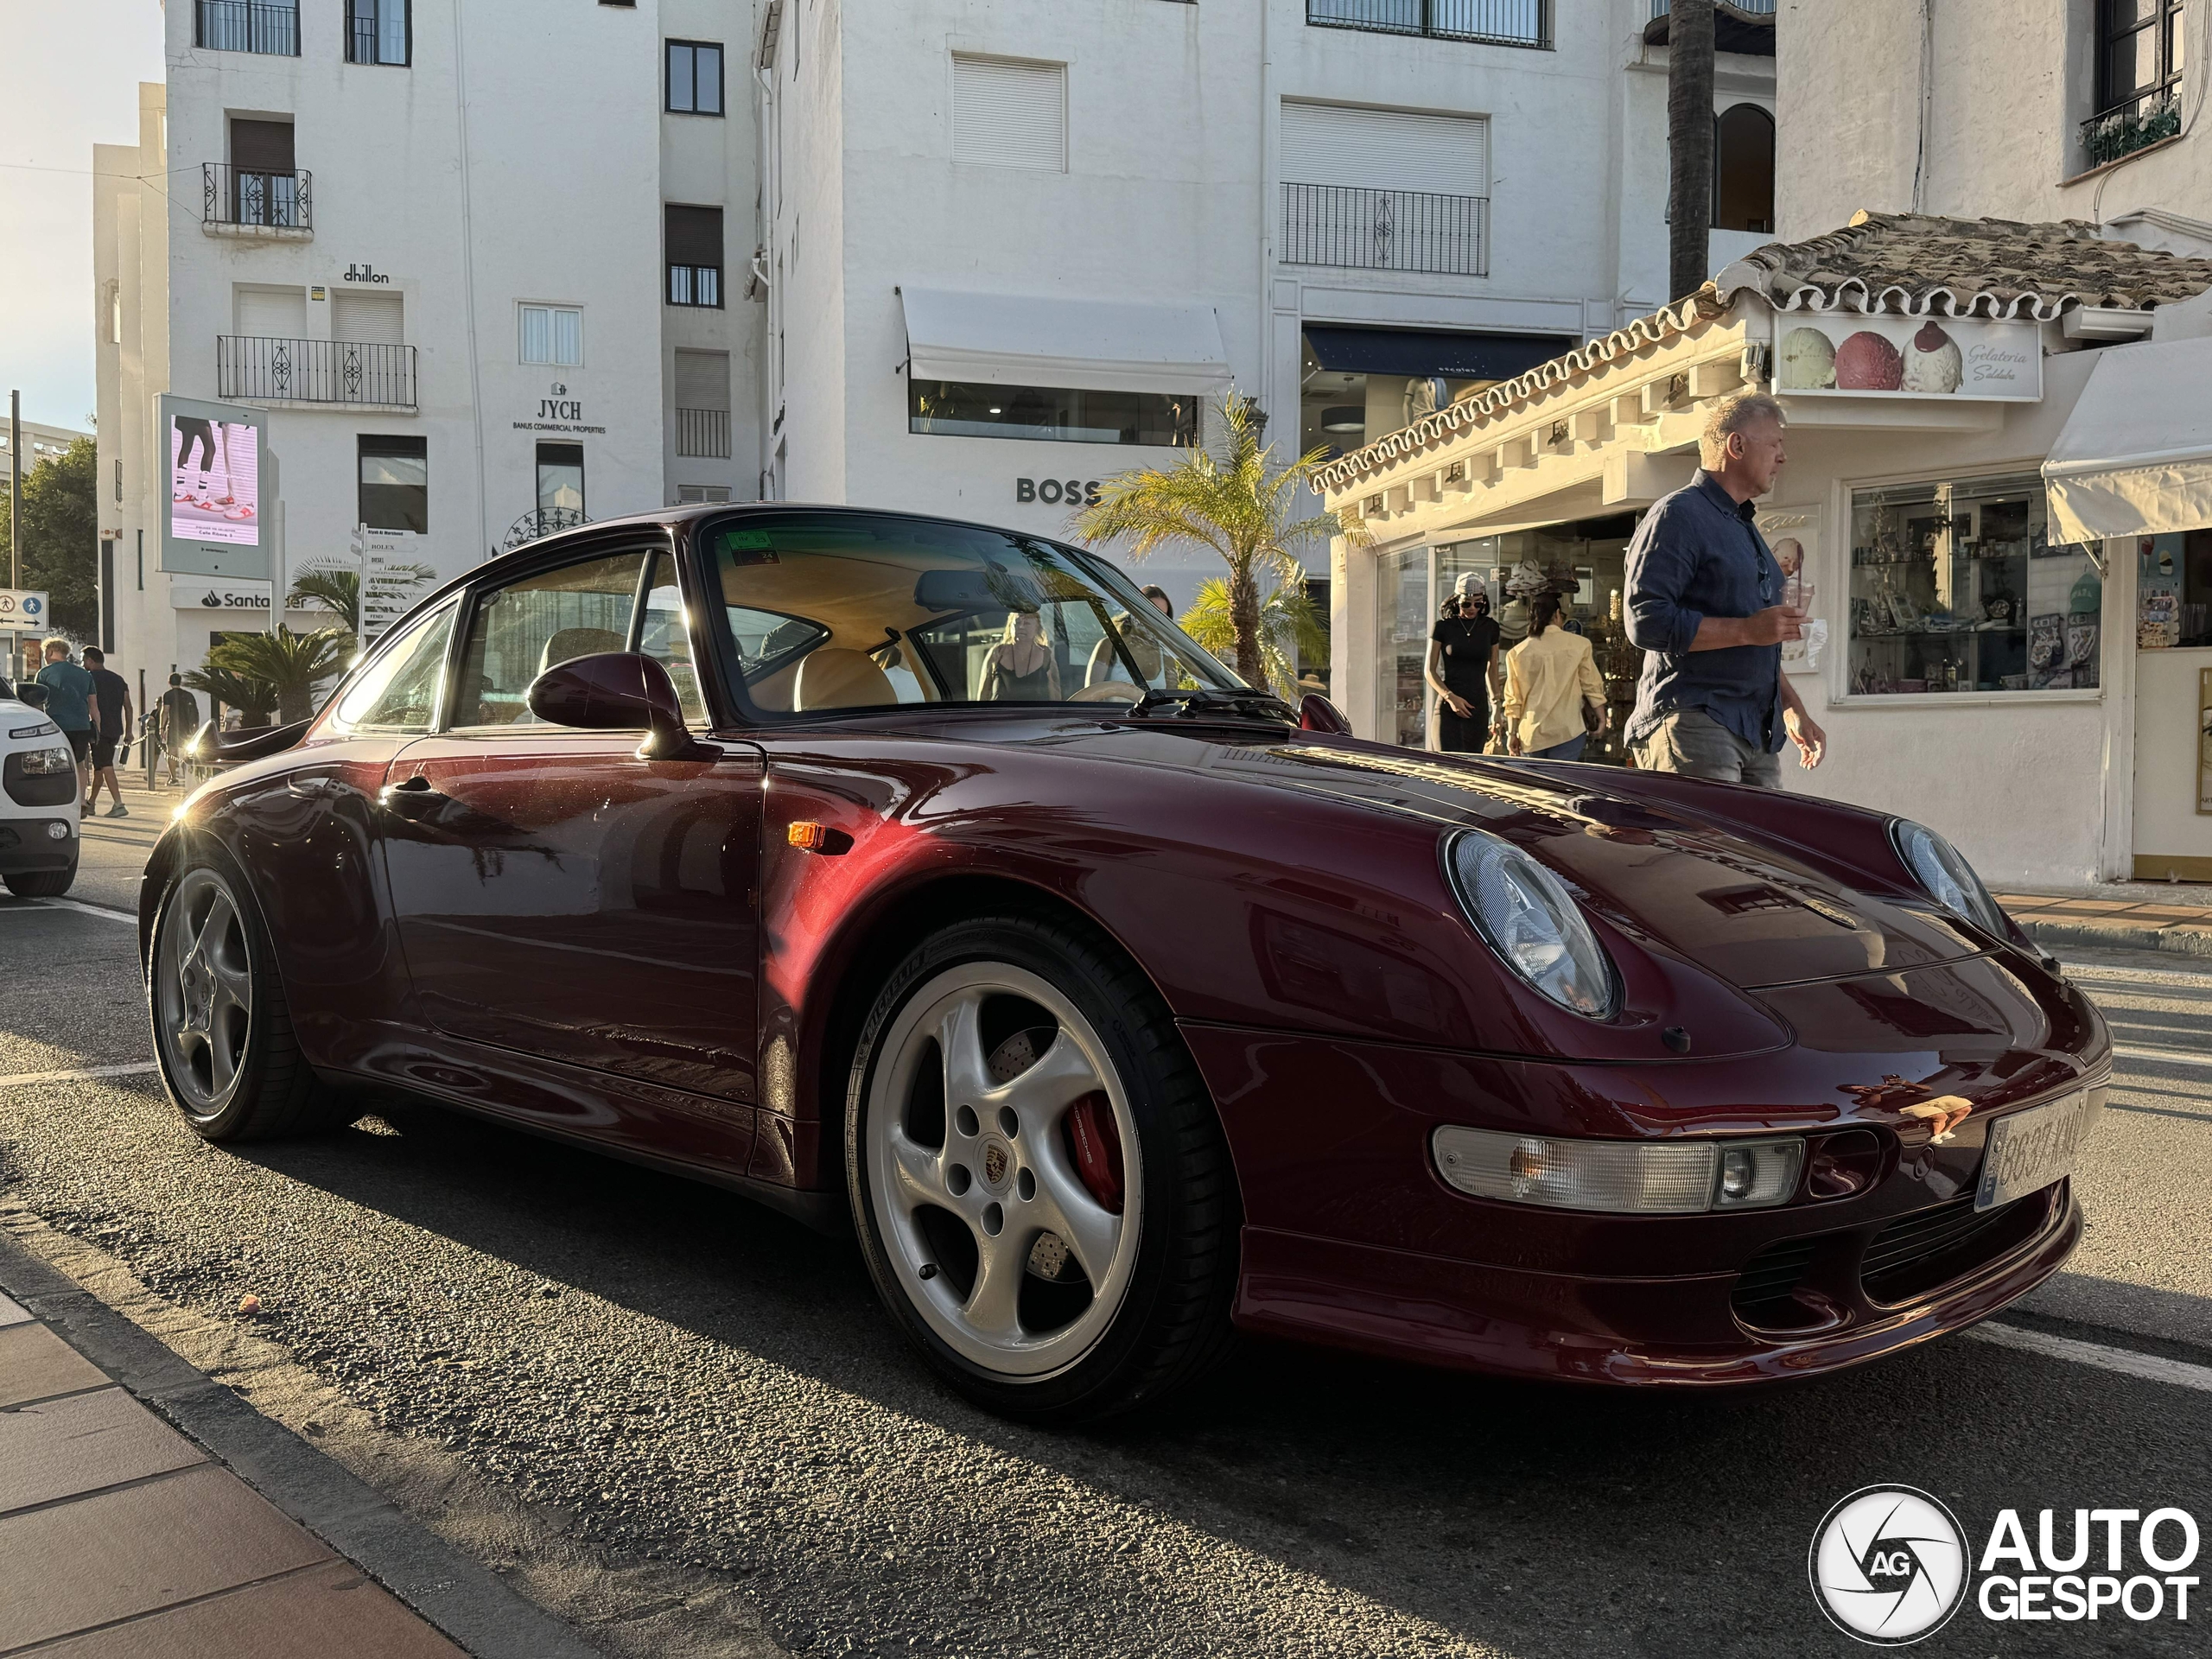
[1705,603]
[69,705]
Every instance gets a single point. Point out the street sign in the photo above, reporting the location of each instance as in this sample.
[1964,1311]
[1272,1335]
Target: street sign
[23,610]
[221,488]
[391,578]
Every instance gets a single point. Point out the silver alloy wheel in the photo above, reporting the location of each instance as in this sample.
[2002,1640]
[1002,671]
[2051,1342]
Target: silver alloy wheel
[1003,1171]
[203,981]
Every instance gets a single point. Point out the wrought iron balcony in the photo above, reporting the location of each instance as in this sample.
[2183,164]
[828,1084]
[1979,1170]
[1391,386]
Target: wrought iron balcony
[703,432]
[1495,23]
[1385,230]
[2125,128]
[327,371]
[1748,8]
[540,522]
[252,202]
[247,26]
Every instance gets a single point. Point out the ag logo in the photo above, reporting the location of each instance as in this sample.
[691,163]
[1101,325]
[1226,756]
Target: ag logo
[1888,1565]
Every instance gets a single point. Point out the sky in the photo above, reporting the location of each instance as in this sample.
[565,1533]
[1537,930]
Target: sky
[69,75]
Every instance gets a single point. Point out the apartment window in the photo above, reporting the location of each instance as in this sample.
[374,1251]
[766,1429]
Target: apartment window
[695,77]
[1007,113]
[553,335]
[267,26]
[560,478]
[395,483]
[368,318]
[1742,170]
[695,255]
[1493,23]
[263,184]
[1385,189]
[2139,77]
[380,31]
[703,404]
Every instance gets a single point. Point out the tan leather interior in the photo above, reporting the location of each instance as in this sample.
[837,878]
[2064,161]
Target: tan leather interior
[836,677]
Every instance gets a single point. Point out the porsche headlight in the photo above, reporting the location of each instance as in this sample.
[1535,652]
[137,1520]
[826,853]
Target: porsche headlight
[1944,874]
[1527,915]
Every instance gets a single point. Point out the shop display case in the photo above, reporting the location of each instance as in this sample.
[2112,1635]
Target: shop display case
[1955,586]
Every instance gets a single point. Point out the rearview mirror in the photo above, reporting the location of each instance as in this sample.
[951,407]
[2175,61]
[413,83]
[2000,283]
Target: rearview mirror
[619,691]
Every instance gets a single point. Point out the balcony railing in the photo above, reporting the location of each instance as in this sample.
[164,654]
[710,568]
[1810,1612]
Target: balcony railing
[1385,230]
[2126,128]
[541,522]
[314,371]
[250,199]
[703,432]
[1751,7]
[1497,23]
[695,285]
[246,26]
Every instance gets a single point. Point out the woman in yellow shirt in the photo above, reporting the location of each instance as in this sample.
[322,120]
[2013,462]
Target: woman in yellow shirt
[1551,680]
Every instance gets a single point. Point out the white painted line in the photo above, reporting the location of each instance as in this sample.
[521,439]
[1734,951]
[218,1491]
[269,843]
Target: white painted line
[2150,1367]
[102,911]
[12,1313]
[2164,1056]
[138,1069]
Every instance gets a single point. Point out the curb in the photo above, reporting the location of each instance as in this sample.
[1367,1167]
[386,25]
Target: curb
[2119,935]
[460,1596]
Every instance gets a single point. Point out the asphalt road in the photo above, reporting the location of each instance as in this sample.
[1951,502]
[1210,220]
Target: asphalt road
[686,1424]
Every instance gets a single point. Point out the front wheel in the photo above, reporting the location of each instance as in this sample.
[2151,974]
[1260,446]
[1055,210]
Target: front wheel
[1037,1174]
[42,884]
[222,1029]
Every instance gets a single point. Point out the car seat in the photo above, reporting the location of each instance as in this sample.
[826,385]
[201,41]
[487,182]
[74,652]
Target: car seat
[836,677]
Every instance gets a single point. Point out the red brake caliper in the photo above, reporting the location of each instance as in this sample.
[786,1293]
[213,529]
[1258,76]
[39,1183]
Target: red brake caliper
[1096,1144]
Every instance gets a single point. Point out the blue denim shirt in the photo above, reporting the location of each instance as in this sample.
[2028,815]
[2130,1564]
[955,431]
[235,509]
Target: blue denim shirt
[1698,554]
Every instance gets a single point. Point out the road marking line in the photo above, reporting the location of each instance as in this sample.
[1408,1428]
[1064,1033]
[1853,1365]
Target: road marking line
[2166,1056]
[81,1073]
[2150,1367]
[103,911]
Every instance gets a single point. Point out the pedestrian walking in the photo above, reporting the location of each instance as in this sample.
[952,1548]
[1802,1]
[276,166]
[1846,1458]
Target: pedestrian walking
[179,713]
[112,698]
[1463,669]
[70,705]
[1705,603]
[1554,696]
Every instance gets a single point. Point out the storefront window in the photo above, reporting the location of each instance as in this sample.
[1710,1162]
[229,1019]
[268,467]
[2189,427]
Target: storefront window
[1402,616]
[1955,586]
[1061,415]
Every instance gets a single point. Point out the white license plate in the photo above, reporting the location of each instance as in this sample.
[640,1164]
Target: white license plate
[2029,1150]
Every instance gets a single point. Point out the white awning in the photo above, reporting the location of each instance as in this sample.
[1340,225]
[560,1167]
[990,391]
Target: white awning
[2136,457]
[1018,339]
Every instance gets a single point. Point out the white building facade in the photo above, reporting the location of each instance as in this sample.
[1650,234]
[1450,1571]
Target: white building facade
[428,239]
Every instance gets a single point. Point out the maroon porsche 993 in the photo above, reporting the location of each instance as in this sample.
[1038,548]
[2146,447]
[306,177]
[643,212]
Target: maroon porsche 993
[922,877]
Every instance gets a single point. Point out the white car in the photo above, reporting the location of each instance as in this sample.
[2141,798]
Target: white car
[39,783]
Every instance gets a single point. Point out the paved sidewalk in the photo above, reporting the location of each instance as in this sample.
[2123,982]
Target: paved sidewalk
[2131,922]
[120,1539]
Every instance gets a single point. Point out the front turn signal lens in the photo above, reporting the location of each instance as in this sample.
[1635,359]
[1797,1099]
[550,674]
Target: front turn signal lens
[1629,1178]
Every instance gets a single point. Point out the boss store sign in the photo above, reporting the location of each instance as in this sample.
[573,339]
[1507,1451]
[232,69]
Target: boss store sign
[1069,491]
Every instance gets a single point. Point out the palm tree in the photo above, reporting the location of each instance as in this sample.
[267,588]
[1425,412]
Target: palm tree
[285,669]
[251,698]
[1689,141]
[339,591]
[1240,506]
[1290,629]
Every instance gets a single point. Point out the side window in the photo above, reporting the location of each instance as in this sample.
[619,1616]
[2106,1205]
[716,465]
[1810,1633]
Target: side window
[520,631]
[399,692]
[665,636]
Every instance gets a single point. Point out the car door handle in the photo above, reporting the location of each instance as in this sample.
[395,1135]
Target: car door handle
[412,797]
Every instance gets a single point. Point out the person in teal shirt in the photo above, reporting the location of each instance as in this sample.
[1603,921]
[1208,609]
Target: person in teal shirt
[70,705]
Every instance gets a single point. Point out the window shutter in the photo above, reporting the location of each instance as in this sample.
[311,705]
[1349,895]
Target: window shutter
[368,318]
[262,146]
[272,313]
[1009,114]
[702,380]
[1385,149]
[695,236]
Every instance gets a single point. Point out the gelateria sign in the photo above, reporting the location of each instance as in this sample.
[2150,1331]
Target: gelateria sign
[1844,355]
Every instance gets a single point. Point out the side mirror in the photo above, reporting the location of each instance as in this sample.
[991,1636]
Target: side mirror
[619,691]
[1317,714]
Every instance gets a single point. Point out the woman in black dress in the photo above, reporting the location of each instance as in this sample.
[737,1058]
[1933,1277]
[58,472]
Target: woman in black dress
[1462,665]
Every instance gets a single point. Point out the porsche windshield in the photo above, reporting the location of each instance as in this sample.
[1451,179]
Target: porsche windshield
[845,610]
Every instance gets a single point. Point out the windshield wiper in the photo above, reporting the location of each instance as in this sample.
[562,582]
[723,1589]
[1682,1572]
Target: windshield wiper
[1208,700]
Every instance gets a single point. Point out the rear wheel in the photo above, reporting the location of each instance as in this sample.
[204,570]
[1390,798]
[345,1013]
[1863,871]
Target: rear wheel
[222,1030]
[1036,1173]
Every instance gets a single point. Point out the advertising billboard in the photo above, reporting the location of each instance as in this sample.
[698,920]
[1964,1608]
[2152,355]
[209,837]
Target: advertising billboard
[222,489]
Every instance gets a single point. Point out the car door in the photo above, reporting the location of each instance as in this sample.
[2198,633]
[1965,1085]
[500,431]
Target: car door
[556,894]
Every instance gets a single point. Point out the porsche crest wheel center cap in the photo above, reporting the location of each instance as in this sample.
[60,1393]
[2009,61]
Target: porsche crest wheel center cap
[998,1164]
